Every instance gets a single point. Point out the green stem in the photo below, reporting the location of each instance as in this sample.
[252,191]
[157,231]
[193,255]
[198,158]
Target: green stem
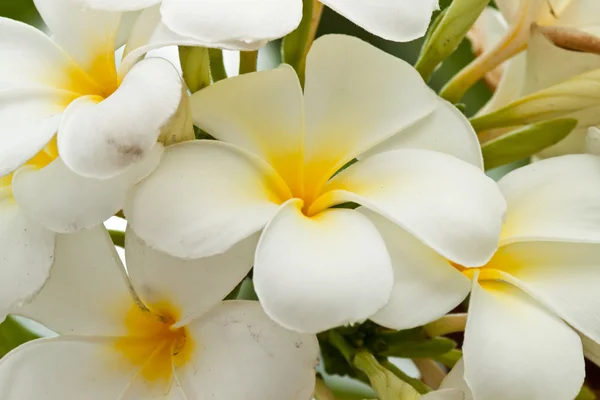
[450,323]
[343,346]
[295,45]
[417,384]
[217,65]
[13,334]
[118,237]
[322,391]
[248,61]
[195,66]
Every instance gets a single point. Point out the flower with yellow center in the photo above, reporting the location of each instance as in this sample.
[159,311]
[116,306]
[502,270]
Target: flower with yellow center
[320,264]
[107,118]
[161,333]
[539,292]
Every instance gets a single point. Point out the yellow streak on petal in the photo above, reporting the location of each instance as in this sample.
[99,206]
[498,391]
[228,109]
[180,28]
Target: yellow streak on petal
[153,344]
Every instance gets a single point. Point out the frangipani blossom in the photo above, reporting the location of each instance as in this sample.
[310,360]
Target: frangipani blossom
[106,119]
[319,264]
[539,292]
[249,24]
[163,335]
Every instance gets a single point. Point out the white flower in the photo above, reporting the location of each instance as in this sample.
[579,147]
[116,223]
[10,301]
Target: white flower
[539,291]
[106,119]
[248,24]
[318,266]
[163,335]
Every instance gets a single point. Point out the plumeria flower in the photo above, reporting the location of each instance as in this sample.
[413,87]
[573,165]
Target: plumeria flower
[248,25]
[539,292]
[106,118]
[320,263]
[160,332]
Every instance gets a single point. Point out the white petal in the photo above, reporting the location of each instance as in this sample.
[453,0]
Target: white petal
[514,349]
[27,255]
[217,21]
[581,14]
[65,202]
[397,20]
[445,394]
[449,205]
[456,380]
[562,276]
[101,139]
[204,197]
[261,112]
[88,36]
[29,118]
[349,111]
[446,130]
[592,141]
[65,368]
[510,86]
[426,285]
[121,5]
[87,293]
[240,353]
[194,286]
[553,199]
[591,349]
[313,274]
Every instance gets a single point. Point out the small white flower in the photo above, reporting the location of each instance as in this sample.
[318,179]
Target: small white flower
[249,24]
[421,186]
[163,335]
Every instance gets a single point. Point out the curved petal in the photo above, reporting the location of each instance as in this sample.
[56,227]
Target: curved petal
[27,255]
[445,394]
[446,130]
[426,285]
[100,139]
[29,118]
[88,36]
[397,20]
[562,276]
[581,14]
[261,112]
[449,205]
[553,199]
[65,202]
[506,328]
[313,274]
[456,380]
[510,86]
[157,277]
[204,197]
[121,5]
[65,368]
[241,354]
[218,21]
[87,293]
[349,111]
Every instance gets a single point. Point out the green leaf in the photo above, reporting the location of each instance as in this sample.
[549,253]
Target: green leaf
[526,141]
[448,31]
[196,67]
[13,334]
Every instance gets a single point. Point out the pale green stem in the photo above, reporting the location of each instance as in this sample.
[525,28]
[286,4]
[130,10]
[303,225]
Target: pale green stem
[450,323]
[217,66]
[322,391]
[248,61]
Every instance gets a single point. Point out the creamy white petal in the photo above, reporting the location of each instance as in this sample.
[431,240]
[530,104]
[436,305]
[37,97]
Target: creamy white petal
[87,292]
[397,20]
[261,112]
[313,274]
[581,14]
[448,204]
[204,197]
[445,394]
[426,285]
[65,202]
[562,276]
[553,199]
[515,349]
[349,111]
[245,22]
[27,255]
[65,368]
[88,36]
[121,5]
[100,139]
[510,86]
[194,286]
[239,353]
[446,130]
[456,380]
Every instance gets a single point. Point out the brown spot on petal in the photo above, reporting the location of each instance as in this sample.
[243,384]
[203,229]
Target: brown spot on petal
[571,39]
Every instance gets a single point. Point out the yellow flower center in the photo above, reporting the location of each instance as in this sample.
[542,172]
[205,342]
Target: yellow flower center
[154,343]
[495,270]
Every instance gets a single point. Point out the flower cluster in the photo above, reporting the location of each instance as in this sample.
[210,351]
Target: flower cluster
[321,217]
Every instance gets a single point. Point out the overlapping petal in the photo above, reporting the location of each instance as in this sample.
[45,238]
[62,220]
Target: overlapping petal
[424,280]
[87,292]
[65,202]
[100,139]
[204,197]
[313,274]
[240,353]
[515,349]
[121,5]
[449,205]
